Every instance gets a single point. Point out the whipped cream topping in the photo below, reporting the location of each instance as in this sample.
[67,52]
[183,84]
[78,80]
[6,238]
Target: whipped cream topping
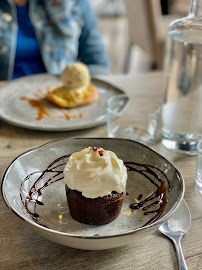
[95,172]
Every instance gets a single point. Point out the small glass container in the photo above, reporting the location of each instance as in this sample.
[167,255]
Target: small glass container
[130,119]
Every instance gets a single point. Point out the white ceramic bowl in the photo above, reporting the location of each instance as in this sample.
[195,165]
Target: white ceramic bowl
[38,174]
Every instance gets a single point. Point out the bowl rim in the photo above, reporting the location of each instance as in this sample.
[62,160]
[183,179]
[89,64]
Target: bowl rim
[34,224]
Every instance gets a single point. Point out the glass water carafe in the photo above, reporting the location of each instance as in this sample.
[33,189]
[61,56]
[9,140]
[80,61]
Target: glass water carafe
[182,109]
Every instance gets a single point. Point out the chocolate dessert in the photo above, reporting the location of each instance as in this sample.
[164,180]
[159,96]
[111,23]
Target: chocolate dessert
[98,211]
[95,182]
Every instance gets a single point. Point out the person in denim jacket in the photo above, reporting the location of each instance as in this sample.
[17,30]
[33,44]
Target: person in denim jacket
[47,35]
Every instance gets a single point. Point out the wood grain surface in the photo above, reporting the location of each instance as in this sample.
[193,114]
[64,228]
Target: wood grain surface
[20,248]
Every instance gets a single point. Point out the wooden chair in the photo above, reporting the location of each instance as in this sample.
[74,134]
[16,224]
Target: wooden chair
[147,28]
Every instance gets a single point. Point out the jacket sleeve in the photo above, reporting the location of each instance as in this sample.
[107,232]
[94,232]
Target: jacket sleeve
[91,47]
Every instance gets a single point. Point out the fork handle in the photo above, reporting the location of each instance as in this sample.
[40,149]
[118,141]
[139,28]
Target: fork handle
[181,259]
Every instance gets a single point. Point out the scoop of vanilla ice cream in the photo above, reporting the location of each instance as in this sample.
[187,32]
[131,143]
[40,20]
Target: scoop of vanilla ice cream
[75,75]
[95,172]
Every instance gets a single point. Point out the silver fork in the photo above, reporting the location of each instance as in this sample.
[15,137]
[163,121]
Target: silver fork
[175,227]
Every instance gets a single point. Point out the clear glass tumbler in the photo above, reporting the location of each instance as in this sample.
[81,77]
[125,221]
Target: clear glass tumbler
[128,118]
[199,167]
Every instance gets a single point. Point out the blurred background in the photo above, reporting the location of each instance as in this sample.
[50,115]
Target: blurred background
[135,31]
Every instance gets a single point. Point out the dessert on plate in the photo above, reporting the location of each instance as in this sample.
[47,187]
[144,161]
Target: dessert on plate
[95,181]
[76,88]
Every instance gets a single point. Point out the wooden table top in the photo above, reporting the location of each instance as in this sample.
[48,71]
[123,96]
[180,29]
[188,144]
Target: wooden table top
[20,248]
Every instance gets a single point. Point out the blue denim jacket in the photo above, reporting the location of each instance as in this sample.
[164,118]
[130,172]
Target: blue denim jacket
[66,32]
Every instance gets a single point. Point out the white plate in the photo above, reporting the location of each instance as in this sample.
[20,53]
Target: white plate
[54,221]
[19,112]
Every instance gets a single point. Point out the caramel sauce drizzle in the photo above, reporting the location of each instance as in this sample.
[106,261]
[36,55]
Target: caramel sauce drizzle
[42,112]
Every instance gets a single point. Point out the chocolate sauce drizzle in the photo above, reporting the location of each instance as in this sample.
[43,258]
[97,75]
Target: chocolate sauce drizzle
[160,195]
[35,192]
[54,173]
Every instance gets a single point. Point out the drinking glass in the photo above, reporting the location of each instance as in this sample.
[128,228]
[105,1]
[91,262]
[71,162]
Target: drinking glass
[130,119]
[199,167]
